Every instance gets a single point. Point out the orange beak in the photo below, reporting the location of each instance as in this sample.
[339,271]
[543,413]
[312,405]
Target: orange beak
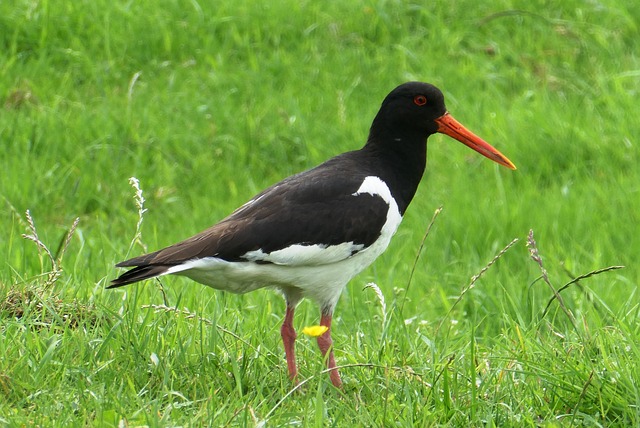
[454,129]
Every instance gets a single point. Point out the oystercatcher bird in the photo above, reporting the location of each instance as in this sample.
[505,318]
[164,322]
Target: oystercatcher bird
[309,234]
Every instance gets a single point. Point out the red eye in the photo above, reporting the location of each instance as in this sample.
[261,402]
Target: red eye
[420,100]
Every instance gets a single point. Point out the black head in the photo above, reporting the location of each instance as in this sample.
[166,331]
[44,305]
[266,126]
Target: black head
[412,112]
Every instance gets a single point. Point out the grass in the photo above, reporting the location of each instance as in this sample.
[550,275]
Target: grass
[208,103]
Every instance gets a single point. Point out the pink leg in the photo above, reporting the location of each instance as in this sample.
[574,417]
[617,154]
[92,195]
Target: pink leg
[289,335]
[326,346]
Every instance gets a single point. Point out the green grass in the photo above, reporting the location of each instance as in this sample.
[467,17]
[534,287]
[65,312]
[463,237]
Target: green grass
[208,103]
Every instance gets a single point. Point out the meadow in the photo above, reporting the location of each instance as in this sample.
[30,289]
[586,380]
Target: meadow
[507,298]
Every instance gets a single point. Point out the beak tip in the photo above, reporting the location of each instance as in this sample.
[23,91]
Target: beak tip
[502,160]
[449,126]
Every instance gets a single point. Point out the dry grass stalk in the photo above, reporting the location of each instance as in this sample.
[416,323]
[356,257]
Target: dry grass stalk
[535,256]
[415,261]
[476,277]
[381,299]
[139,200]
[56,262]
[577,280]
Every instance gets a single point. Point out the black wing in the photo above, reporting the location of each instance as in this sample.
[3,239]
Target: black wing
[319,206]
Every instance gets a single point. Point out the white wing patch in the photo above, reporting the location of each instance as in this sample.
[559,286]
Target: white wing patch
[313,255]
[375,186]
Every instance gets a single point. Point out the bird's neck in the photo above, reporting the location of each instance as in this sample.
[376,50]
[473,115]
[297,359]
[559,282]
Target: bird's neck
[403,159]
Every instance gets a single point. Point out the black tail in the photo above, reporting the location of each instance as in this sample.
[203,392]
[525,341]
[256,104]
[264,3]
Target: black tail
[138,274]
